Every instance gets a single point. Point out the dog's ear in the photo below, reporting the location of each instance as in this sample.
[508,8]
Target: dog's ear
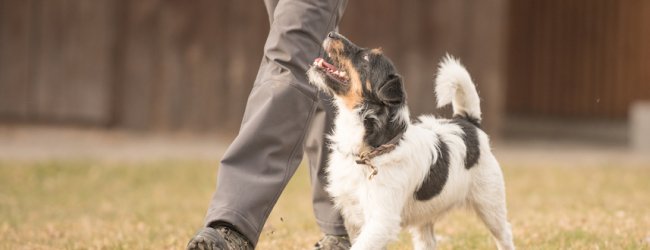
[391,91]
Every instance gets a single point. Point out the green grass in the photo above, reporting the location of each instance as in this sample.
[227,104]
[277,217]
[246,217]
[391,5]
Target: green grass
[85,204]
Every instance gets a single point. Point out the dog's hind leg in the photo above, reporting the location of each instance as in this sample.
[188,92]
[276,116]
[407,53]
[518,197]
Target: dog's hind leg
[493,216]
[488,199]
[423,237]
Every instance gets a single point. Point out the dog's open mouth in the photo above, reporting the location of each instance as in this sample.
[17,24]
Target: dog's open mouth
[331,71]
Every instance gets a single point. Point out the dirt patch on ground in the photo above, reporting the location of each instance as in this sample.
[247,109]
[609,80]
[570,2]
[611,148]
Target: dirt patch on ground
[48,142]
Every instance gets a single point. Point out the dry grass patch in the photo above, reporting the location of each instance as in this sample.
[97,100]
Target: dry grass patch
[85,204]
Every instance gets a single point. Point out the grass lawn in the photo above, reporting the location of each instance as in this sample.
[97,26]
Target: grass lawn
[85,204]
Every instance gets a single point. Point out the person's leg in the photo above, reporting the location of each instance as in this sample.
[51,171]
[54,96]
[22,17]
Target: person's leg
[270,8]
[316,147]
[327,217]
[265,154]
[317,150]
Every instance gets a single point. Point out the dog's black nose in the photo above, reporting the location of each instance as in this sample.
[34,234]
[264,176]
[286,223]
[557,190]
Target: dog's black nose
[332,34]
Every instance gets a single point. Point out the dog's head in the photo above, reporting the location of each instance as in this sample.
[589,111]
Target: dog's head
[363,81]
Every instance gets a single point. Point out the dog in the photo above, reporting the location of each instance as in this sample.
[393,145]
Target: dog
[386,171]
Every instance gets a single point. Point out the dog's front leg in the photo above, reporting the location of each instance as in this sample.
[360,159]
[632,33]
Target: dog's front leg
[382,218]
[377,233]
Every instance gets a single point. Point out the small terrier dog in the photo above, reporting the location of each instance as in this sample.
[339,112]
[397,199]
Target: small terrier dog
[387,172]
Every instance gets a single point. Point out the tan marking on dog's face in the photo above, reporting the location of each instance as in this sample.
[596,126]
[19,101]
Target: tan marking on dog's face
[335,47]
[377,51]
[353,97]
[335,50]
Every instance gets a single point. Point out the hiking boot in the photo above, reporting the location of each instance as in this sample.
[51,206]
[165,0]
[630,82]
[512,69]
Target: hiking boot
[220,238]
[333,242]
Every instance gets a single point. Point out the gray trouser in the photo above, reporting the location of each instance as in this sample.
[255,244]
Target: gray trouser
[283,118]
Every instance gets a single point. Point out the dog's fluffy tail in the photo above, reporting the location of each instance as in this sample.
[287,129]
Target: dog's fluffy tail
[454,85]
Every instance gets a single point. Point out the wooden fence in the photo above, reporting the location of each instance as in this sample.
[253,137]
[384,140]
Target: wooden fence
[178,64]
[148,64]
[580,59]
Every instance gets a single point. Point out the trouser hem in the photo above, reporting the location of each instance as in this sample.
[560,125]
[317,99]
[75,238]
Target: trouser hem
[239,221]
[332,228]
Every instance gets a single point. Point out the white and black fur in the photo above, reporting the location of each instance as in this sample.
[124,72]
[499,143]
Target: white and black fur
[438,165]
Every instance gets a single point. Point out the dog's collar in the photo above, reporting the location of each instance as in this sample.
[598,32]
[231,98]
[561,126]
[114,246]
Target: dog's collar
[365,158]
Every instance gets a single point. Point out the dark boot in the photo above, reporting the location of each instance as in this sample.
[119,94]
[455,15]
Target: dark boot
[221,238]
[333,242]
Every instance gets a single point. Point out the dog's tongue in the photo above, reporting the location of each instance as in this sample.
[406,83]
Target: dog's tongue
[323,64]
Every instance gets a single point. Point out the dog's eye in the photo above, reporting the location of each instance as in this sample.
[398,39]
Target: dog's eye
[366,58]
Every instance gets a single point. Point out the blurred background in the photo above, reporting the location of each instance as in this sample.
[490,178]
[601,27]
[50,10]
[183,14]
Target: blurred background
[570,68]
[563,83]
